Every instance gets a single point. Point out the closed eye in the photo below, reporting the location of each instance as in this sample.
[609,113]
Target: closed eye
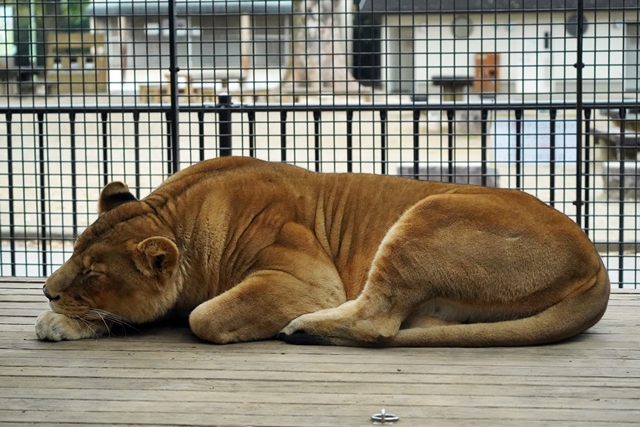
[91,272]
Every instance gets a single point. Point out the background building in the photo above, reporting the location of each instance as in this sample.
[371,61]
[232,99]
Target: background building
[526,47]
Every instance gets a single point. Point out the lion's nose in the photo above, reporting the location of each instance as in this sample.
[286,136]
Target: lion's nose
[48,295]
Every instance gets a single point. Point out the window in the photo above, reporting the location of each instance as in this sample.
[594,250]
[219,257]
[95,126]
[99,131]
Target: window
[571,25]
[462,27]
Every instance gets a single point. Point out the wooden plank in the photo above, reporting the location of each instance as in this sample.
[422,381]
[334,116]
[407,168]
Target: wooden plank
[192,412]
[19,310]
[441,422]
[207,360]
[513,377]
[357,395]
[35,300]
[270,353]
[26,330]
[382,362]
[183,340]
[354,382]
[17,320]
[26,282]
[21,291]
[617,409]
[325,418]
[187,389]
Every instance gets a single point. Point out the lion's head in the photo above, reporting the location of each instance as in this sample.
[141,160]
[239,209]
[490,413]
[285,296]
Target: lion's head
[122,266]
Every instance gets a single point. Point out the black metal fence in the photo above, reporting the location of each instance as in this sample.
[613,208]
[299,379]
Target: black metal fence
[542,97]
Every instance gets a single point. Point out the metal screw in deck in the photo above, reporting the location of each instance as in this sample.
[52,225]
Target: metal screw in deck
[384,418]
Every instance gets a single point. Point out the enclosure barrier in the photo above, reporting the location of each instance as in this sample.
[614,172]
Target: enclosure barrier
[50,183]
[536,96]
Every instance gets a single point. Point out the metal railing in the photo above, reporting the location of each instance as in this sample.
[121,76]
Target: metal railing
[59,151]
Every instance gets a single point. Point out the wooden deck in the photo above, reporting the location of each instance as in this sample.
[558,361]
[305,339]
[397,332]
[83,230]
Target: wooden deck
[162,375]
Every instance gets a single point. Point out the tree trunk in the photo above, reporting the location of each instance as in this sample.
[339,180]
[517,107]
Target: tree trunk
[319,57]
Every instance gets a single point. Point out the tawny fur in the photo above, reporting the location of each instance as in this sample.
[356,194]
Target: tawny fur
[253,250]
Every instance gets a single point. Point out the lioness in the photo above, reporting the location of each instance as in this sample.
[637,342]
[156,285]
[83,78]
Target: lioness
[254,250]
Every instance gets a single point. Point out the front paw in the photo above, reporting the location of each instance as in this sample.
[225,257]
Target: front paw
[52,326]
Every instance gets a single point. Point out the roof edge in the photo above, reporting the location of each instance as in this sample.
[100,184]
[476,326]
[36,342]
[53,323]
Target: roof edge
[104,8]
[394,7]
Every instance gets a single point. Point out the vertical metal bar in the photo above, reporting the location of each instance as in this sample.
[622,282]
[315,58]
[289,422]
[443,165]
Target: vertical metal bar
[173,84]
[623,115]
[383,141]
[416,143]
[105,148]
[224,125]
[170,129]
[579,65]
[350,141]
[519,148]
[74,186]
[587,168]
[201,135]
[43,194]
[252,133]
[12,223]
[450,144]
[316,138]
[136,149]
[484,117]
[552,156]
[283,136]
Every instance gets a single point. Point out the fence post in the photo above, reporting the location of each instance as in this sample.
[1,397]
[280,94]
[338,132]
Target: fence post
[519,140]
[224,124]
[451,131]
[579,65]
[484,131]
[283,136]
[74,175]
[383,142]
[42,160]
[416,143]
[553,114]
[623,115]
[173,85]
[12,224]
[587,168]
[317,115]
[104,117]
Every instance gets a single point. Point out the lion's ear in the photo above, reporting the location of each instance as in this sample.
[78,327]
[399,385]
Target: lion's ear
[113,195]
[156,256]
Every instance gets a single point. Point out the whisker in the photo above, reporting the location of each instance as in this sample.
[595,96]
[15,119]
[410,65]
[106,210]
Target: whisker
[105,324]
[87,324]
[111,317]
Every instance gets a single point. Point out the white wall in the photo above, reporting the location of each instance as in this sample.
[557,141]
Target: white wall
[527,64]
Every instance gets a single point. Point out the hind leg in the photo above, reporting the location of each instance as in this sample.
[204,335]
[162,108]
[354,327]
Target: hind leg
[375,316]
[372,319]
[481,253]
[400,279]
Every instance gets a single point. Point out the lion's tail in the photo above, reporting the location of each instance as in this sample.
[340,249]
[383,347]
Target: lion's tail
[574,314]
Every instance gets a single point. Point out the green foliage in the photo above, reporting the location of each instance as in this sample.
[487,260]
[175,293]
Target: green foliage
[50,14]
